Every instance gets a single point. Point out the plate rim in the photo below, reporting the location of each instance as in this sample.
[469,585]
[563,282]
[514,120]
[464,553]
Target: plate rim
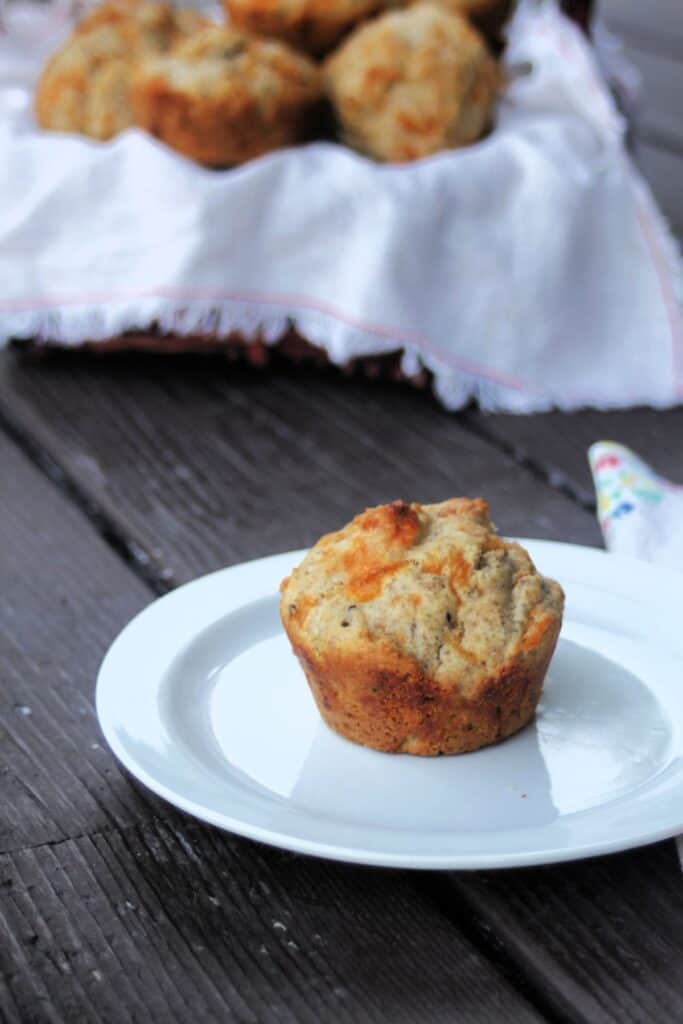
[451,860]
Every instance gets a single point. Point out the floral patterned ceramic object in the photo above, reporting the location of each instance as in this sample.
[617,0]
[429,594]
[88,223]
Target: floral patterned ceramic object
[640,513]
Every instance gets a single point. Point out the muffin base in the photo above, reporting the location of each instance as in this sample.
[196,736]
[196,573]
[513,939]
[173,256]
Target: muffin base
[211,131]
[388,704]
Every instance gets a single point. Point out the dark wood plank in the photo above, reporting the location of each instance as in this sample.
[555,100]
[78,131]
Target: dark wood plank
[602,939]
[344,438]
[65,596]
[348,441]
[106,925]
[201,464]
[557,443]
[170,924]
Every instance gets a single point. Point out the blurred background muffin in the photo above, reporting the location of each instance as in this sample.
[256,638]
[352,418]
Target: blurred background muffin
[311,25]
[412,82]
[488,15]
[85,86]
[402,84]
[149,27]
[223,97]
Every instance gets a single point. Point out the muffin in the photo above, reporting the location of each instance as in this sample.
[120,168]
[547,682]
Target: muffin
[488,15]
[420,630]
[314,26]
[412,82]
[85,86]
[223,97]
[147,26]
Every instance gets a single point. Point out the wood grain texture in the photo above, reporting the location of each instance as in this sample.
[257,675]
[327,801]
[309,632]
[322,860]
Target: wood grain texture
[602,939]
[64,598]
[186,447]
[174,923]
[202,464]
[75,941]
[185,467]
[557,443]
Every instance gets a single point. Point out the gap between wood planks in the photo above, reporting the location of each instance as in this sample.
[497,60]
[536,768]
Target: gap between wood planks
[77,909]
[273,936]
[499,940]
[553,477]
[128,550]
[139,562]
[115,830]
[452,901]
[133,553]
[511,908]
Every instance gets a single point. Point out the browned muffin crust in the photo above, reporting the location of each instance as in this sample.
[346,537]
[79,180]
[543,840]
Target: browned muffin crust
[85,86]
[488,15]
[420,630]
[149,26]
[314,26]
[412,82]
[223,97]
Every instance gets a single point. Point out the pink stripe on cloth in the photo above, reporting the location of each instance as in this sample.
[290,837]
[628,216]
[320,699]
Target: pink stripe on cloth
[271,299]
[666,286]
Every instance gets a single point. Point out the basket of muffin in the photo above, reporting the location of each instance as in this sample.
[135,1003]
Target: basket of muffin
[397,80]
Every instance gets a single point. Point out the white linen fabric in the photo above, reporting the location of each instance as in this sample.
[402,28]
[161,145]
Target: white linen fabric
[532,270]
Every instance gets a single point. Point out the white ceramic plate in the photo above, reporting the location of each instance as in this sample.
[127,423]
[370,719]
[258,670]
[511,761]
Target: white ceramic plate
[202,700]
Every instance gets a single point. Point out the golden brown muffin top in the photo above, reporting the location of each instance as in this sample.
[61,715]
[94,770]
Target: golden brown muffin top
[293,10]
[467,7]
[223,63]
[404,82]
[144,25]
[314,26]
[85,85]
[435,582]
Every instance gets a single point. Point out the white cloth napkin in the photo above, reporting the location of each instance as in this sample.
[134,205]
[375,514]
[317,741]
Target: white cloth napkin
[529,271]
[640,513]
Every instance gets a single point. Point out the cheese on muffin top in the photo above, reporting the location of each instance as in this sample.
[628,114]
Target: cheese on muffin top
[435,582]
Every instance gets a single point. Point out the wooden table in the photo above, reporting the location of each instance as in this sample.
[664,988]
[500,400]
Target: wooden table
[124,477]
[652,38]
